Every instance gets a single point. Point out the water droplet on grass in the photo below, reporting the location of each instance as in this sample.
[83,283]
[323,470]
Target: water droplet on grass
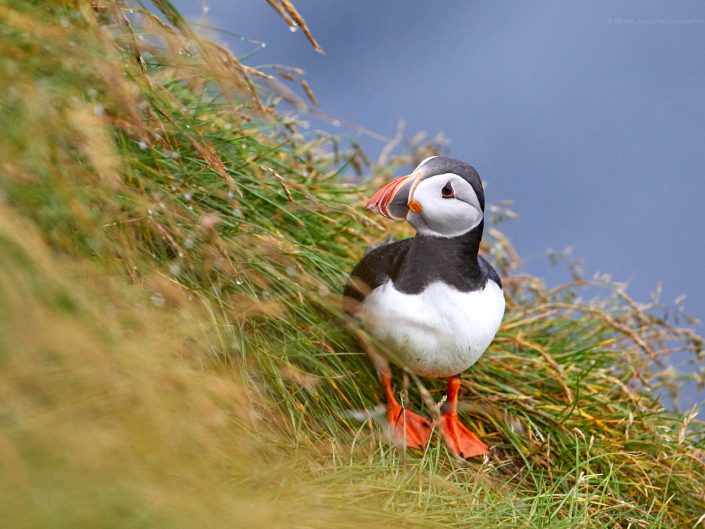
[157,299]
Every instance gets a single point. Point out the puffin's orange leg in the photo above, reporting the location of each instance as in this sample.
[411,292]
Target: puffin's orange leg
[461,441]
[407,428]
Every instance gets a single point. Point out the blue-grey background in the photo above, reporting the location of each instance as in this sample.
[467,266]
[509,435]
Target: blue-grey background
[590,116]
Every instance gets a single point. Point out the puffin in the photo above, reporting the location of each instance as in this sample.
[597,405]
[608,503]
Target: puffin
[431,299]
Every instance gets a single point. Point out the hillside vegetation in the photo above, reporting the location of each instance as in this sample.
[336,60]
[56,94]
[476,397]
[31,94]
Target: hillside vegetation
[172,350]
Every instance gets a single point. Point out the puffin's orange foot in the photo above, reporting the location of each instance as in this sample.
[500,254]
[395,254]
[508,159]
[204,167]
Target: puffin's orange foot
[408,428]
[461,441]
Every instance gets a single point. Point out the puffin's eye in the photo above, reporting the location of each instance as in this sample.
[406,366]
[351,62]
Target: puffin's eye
[447,191]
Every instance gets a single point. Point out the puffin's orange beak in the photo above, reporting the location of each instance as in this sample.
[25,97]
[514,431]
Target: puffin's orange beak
[394,200]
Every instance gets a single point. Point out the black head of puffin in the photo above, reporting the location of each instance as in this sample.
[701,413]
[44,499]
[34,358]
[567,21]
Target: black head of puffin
[442,197]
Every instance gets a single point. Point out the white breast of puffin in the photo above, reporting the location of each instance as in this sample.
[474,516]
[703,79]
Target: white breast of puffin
[439,332]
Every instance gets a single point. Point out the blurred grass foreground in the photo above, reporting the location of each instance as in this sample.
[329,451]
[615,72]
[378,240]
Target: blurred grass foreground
[172,353]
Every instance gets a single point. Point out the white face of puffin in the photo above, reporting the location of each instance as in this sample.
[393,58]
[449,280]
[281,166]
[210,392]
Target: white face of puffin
[440,205]
[448,204]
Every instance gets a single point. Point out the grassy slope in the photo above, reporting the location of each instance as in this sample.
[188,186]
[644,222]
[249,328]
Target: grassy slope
[171,347]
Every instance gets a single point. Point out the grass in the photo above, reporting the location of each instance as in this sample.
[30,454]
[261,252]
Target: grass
[171,344]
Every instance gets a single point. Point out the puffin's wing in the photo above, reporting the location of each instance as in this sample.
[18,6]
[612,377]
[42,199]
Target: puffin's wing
[372,271]
[488,271]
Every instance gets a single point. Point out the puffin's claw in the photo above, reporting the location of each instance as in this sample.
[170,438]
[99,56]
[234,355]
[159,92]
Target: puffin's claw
[408,428]
[461,441]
